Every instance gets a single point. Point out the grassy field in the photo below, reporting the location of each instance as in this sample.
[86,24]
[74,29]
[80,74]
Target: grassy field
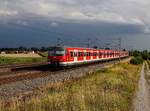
[21,60]
[105,90]
[20,55]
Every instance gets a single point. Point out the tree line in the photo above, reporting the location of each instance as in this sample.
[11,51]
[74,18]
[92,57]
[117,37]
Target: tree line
[22,49]
[139,56]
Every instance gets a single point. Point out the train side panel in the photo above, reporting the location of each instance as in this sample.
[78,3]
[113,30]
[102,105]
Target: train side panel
[72,56]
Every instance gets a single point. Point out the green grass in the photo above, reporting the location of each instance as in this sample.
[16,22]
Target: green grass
[21,60]
[105,90]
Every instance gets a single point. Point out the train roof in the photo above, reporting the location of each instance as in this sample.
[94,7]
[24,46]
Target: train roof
[64,47]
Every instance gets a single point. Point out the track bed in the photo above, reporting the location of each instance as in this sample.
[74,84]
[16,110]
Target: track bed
[27,83]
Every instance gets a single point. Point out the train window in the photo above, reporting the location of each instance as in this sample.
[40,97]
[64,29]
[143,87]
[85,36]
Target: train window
[75,54]
[95,54]
[85,53]
[78,54]
[56,53]
[100,54]
[82,53]
[60,52]
[71,54]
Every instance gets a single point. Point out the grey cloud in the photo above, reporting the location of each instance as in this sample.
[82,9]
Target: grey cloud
[117,11]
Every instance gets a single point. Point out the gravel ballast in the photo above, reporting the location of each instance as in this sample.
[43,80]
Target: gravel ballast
[29,87]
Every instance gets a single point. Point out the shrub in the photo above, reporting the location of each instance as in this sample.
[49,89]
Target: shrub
[136,60]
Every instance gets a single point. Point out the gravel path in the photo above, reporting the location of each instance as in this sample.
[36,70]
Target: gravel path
[142,101]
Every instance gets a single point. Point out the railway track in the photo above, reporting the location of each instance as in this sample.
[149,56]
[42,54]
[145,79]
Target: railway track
[28,74]
[21,76]
[17,67]
[13,73]
[34,71]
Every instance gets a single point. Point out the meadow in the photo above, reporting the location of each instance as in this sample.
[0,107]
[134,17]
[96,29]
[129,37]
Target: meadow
[21,59]
[108,89]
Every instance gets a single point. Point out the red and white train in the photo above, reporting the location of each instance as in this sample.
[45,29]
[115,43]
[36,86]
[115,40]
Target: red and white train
[66,56]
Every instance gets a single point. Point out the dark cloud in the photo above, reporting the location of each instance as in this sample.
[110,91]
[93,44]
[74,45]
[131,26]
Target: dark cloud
[49,19]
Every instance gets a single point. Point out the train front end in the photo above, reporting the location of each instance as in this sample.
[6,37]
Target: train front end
[56,56]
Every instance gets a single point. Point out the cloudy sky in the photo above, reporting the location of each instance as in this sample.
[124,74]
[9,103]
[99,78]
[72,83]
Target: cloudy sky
[127,15]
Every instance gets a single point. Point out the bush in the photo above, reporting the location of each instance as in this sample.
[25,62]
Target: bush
[136,60]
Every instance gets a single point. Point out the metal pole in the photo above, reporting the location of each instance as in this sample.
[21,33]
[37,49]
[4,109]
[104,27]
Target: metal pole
[119,48]
[88,43]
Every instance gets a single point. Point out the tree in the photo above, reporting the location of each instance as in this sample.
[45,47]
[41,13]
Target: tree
[145,55]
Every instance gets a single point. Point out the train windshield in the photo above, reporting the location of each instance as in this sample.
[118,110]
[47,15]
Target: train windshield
[56,51]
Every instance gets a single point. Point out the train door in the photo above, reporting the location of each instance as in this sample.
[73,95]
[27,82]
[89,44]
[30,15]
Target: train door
[104,54]
[97,54]
[75,56]
[94,54]
[91,54]
[100,54]
[88,55]
[80,55]
[108,54]
[84,54]
[71,56]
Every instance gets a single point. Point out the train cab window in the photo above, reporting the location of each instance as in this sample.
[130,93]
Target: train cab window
[71,54]
[60,53]
[56,53]
[85,53]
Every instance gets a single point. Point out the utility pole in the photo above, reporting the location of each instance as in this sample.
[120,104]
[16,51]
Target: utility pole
[59,42]
[119,47]
[88,44]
